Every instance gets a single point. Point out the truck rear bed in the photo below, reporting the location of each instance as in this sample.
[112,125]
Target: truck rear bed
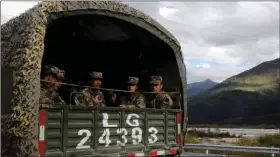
[78,131]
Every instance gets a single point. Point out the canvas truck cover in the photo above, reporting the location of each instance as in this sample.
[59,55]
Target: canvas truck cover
[22,49]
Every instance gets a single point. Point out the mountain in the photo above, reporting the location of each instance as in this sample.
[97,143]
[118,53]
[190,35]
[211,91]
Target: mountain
[251,97]
[199,87]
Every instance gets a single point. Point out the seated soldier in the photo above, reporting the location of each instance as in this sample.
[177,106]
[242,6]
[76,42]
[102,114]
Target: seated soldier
[52,76]
[92,97]
[133,99]
[158,100]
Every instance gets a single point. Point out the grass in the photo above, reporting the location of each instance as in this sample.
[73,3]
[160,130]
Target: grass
[263,141]
[248,142]
[244,126]
[191,139]
[251,82]
[270,141]
[261,89]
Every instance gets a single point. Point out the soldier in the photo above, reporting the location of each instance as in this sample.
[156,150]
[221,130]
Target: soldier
[159,100]
[92,97]
[133,99]
[49,94]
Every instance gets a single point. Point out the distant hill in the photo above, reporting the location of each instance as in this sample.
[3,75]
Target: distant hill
[251,97]
[199,87]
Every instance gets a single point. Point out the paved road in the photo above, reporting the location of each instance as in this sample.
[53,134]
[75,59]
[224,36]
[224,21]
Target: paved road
[206,155]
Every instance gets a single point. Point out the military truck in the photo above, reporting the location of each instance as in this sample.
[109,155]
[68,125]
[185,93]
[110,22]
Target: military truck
[79,37]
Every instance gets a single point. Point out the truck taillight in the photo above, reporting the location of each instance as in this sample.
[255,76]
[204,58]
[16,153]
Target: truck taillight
[42,133]
[179,136]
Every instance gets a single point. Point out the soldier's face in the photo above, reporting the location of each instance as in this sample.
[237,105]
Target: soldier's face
[132,88]
[96,83]
[156,88]
[52,78]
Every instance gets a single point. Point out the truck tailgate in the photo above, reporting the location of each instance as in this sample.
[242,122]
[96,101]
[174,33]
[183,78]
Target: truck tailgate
[80,131]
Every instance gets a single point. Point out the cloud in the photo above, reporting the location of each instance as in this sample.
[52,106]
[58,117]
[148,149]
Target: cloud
[236,28]
[218,72]
[10,9]
[218,39]
[235,36]
[167,11]
[203,65]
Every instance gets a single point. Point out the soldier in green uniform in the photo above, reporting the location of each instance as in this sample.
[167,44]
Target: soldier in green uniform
[133,99]
[158,100]
[49,94]
[92,97]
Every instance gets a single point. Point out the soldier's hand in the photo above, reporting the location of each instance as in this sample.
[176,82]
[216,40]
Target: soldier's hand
[122,106]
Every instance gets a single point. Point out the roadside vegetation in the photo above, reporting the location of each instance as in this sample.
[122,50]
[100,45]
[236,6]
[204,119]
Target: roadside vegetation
[216,134]
[261,126]
[263,141]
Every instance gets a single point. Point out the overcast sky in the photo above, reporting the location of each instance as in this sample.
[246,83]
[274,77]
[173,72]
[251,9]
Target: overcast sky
[218,39]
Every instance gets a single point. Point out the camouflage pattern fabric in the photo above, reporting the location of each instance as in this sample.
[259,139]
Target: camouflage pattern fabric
[90,97]
[156,80]
[133,100]
[162,101]
[133,80]
[50,69]
[50,96]
[22,48]
[96,75]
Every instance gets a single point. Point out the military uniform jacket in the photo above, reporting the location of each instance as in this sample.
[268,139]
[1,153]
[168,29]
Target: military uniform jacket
[50,96]
[162,101]
[135,100]
[90,97]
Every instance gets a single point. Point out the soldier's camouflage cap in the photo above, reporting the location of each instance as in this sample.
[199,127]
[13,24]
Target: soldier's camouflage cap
[50,69]
[96,75]
[133,80]
[155,80]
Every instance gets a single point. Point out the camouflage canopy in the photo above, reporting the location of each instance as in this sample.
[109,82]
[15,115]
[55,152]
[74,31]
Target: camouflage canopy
[22,49]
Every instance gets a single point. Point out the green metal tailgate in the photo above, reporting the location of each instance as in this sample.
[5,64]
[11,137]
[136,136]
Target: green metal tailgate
[83,131]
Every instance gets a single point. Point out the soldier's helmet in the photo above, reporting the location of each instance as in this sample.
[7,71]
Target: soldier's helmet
[52,70]
[96,75]
[133,80]
[155,80]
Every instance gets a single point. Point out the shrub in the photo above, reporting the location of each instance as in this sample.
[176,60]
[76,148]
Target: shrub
[264,141]
[248,142]
[191,139]
[270,141]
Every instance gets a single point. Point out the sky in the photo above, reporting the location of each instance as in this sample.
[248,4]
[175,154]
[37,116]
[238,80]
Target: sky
[218,39]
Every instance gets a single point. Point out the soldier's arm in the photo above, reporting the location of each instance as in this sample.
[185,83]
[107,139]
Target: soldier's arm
[152,103]
[140,102]
[59,100]
[44,99]
[168,102]
[103,101]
